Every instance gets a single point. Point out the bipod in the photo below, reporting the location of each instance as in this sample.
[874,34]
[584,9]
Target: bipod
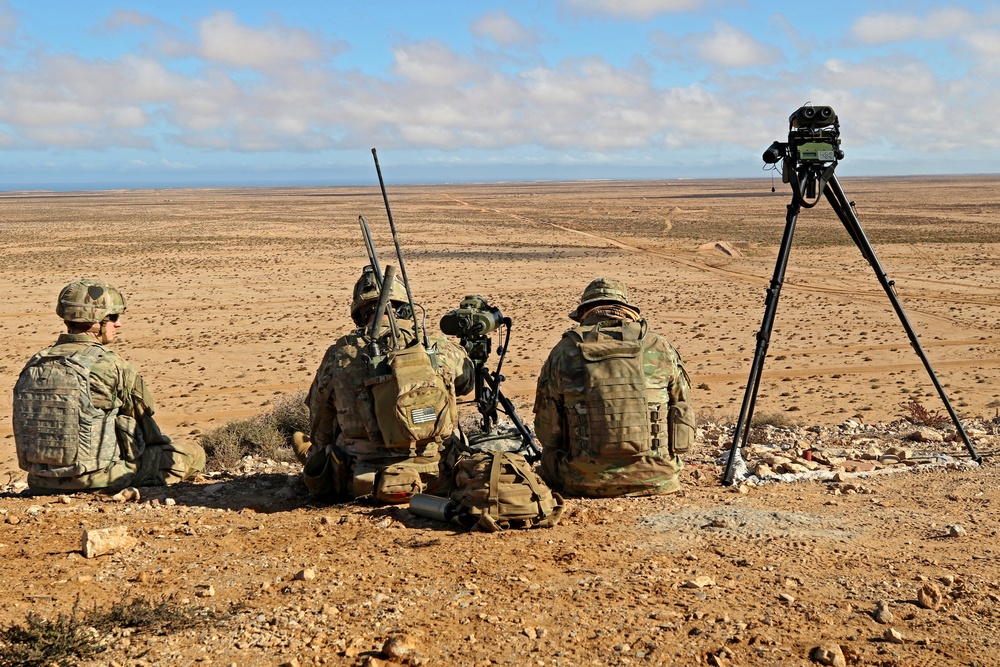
[844,209]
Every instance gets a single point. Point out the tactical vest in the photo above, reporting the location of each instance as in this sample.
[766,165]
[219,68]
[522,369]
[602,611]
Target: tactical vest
[612,418]
[414,401]
[57,430]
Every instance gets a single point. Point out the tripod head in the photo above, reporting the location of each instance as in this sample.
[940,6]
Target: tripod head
[811,153]
[471,323]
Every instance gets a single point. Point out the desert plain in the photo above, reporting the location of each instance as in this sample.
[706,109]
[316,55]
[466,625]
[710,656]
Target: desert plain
[235,294]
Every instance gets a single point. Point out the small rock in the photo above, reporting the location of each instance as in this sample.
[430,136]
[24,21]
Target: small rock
[65,500]
[929,596]
[529,633]
[925,435]
[130,494]
[785,597]
[892,636]
[699,582]
[397,647]
[13,520]
[206,592]
[955,531]
[882,614]
[828,653]
[169,502]
[106,540]
[307,574]
[718,660]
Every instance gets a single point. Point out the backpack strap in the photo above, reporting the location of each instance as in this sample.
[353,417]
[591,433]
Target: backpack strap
[490,518]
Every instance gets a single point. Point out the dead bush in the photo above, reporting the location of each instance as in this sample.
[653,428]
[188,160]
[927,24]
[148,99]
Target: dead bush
[40,642]
[760,422]
[916,413]
[268,435]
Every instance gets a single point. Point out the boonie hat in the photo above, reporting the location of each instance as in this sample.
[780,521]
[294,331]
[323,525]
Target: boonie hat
[602,291]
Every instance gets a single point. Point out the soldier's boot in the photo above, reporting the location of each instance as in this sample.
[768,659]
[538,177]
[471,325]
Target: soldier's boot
[300,445]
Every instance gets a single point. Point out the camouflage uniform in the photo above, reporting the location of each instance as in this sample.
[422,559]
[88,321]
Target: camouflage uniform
[606,430]
[347,456]
[138,455]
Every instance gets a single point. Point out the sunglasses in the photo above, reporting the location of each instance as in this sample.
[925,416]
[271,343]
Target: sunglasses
[114,317]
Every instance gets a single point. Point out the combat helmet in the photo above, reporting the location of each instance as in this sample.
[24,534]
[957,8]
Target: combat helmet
[602,291]
[366,292]
[89,300]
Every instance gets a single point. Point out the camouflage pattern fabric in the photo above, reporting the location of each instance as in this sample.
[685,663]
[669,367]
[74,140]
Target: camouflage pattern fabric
[343,427]
[146,456]
[576,466]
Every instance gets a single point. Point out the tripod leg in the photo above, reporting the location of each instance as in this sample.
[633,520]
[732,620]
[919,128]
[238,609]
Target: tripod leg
[838,200]
[763,340]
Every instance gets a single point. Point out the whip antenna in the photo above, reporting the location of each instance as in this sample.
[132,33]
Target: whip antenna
[399,252]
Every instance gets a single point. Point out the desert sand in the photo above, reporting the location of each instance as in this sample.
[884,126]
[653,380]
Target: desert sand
[234,295]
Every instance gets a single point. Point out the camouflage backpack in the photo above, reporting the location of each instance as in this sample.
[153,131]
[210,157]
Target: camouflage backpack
[415,401]
[494,487]
[57,430]
[612,416]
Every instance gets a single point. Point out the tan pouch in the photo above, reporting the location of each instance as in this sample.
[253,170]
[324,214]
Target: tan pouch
[414,405]
[681,421]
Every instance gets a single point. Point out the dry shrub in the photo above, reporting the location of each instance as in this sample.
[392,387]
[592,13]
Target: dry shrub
[268,435]
[68,639]
[916,413]
[290,414]
[758,430]
[62,642]
[161,617]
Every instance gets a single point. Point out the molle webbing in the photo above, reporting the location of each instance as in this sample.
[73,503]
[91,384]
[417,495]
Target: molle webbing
[617,419]
[57,429]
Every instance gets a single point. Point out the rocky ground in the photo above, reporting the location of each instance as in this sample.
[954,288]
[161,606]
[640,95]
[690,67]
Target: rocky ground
[853,532]
[894,566]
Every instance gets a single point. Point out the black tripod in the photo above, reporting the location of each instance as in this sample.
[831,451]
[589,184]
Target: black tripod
[805,178]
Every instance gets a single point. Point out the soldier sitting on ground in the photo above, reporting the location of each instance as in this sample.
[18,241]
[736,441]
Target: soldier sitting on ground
[381,432]
[612,408]
[83,417]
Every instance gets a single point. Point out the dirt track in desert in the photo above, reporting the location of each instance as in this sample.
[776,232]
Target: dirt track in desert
[235,294]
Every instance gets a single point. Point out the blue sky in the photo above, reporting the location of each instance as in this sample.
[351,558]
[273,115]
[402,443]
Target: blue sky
[114,94]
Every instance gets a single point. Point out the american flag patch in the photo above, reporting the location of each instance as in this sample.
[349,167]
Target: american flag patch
[423,415]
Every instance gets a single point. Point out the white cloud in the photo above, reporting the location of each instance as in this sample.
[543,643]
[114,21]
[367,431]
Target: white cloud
[639,10]
[940,24]
[732,47]
[432,64]
[170,164]
[985,43]
[224,40]
[125,19]
[8,23]
[504,30]
[221,99]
